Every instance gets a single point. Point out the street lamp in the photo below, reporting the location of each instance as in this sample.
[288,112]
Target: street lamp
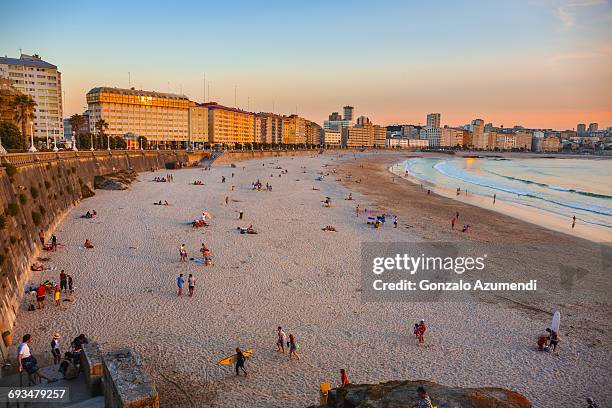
[32,149]
[55,149]
[91,140]
[74,146]
[108,142]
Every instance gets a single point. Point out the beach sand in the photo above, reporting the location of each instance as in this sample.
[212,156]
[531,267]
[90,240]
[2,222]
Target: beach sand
[297,276]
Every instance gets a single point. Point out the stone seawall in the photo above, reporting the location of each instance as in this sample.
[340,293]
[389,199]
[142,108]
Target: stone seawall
[37,190]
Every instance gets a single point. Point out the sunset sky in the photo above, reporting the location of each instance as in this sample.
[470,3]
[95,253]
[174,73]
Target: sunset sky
[536,63]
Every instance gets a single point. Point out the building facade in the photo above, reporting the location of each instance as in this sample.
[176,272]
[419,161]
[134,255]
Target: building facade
[452,137]
[229,126]
[162,118]
[332,137]
[41,80]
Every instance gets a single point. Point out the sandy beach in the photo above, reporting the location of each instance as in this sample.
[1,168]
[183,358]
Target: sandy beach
[295,275]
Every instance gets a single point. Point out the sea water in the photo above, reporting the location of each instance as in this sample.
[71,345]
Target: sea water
[566,187]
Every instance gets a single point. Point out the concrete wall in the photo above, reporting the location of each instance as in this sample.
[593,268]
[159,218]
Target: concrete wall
[37,196]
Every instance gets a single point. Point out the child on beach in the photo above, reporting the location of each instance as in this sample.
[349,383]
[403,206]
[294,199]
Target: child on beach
[63,281]
[293,347]
[56,295]
[421,332]
[180,281]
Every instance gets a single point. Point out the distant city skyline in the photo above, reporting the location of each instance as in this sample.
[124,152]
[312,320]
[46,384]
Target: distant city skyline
[539,64]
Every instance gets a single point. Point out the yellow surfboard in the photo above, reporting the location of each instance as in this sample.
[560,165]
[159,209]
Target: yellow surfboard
[232,359]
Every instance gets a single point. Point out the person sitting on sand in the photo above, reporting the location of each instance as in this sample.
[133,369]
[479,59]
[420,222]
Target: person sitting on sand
[93,214]
[158,203]
[204,250]
[542,342]
[88,244]
[327,202]
[465,228]
[251,230]
[88,214]
[329,228]
[350,197]
[166,202]
[37,267]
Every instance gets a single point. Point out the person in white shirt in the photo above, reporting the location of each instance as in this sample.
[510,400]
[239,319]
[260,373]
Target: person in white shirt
[28,362]
[55,349]
[281,339]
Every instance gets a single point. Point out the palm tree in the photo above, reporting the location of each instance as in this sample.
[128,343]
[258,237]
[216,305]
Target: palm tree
[76,123]
[23,105]
[101,126]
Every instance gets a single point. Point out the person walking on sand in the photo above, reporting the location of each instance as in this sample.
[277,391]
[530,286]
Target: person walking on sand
[240,359]
[70,289]
[191,284]
[281,338]
[357,209]
[343,378]
[293,348]
[183,253]
[453,222]
[395,222]
[226,200]
[424,400]
[421,332]
[53,242]
[180,282]
[494,198]
[28,362]
[573,221]
[55,349]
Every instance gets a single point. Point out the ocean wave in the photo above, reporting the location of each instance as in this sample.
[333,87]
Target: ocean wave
[553,187]
[448,170]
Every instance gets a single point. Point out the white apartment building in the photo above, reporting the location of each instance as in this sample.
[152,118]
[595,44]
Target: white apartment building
[332,137]
[32,76]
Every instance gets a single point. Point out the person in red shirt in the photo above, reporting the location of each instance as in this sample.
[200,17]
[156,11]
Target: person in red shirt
[343,377]
[40,295]
[421,331]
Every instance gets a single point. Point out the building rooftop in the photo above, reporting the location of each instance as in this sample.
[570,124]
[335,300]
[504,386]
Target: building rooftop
[27,60]
[136,92]
[215,105]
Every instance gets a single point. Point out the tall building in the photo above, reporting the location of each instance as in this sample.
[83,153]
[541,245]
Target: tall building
[335,122]
[433,120]
[30,75]
[314,133]
[480,140]
[294,130]
[452,137]
[162,118]
[593,127]
[229,125]
[581,128]
[348,113]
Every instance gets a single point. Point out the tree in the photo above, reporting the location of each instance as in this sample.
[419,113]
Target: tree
[10,137]
[76,123]
[118,142]
[23,107]
[142,141]
[101,126]
[84,140]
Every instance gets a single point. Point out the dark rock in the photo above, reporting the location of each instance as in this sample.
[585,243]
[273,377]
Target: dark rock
[396,394]
[115,181]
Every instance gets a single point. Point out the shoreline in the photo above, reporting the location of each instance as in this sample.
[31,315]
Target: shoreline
[532,215]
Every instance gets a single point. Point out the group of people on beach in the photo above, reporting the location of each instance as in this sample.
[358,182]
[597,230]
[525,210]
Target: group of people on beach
[69,366]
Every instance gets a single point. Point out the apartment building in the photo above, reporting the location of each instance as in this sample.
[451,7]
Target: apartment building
[41,80]
[452,137]
[229,125]
[332,137]
[294,130]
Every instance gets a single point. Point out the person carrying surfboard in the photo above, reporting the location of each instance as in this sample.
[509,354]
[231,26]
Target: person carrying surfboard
[240,359]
